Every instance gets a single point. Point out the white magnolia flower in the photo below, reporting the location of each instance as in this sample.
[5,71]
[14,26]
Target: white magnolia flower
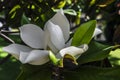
[35,54]
[54,36]
[57,31]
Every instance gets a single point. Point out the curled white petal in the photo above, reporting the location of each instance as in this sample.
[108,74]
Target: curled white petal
[74,51]
[32,35]
[84,47]
[97,32]
[15,49]
[23,56]
[35,57]
[55,34]
[60,19]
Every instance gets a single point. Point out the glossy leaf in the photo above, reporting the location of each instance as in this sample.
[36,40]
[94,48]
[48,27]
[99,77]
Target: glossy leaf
[93,73]
[84,33]
[24,20]
[92,2]
[14,9]
[30,72]
[95,52]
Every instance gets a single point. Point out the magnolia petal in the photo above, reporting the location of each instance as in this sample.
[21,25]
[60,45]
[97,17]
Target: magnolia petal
[60,19]
[23,56]
[15,49]
[52,47]
[97,32]
[56,35]
[32,35]
[36,57]
[74,51]
[49,43]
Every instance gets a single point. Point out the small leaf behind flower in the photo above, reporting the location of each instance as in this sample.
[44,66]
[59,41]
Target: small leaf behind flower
[24,20]
[84,33]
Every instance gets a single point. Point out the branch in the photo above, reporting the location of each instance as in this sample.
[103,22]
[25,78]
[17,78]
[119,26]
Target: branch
[6,38]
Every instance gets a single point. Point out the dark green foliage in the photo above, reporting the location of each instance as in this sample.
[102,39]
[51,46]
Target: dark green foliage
[9,70]
[93,73]
[37,11]
[96,52]
[92,65]
[30,72]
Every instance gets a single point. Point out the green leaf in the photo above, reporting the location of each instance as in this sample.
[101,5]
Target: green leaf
[32,72]
[13,12]
[10,69]
[14,17]
[93,73]
[67,11]
[24,20]
[14,8]
[95,52]
[84,33]
[115,57]
[92,2]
